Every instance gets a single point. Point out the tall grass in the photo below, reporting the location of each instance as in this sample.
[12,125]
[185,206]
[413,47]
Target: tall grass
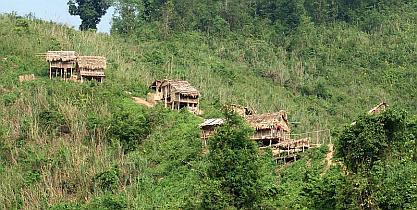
[331,74]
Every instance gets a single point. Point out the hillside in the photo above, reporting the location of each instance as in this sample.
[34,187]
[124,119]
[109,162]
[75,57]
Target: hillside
[75,146]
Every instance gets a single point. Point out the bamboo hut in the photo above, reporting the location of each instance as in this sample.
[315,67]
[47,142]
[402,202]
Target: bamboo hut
[378,108]
[208,128]
[240,110]
[176,94]
[381,107]
[61,63]
[270,128]
[91,67]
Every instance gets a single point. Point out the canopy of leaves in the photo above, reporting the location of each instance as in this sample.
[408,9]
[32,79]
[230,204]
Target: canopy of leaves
[90,11]
[371,138]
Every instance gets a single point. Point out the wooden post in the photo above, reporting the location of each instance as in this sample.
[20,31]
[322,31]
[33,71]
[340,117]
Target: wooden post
[330,137]
[50,70]
[198,103]
[172,102]
[166,96]
[179,100]
[288,149]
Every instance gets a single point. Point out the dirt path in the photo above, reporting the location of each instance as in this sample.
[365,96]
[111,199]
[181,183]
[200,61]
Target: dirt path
[329,157]
[142,101]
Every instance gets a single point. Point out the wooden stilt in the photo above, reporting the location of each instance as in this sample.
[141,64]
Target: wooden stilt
[198,103]
[179,101]
[166,96]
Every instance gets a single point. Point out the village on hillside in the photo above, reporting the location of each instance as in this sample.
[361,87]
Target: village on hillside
[272,130]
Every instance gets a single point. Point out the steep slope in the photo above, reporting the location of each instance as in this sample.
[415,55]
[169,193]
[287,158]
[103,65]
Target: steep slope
[325,77]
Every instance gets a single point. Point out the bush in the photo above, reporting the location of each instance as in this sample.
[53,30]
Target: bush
[235,168]
[108,202]
[10,98]
[129,125]
[51,120]
[107,181]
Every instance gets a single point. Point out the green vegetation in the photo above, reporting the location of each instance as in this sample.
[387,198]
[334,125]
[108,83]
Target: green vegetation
[90,11]
[66,145]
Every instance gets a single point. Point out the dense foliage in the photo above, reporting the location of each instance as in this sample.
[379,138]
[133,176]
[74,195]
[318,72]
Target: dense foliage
[376,172]
[66,145]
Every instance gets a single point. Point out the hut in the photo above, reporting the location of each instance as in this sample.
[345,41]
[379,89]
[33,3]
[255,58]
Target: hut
[208,127]
[156,94]
[378,108]
[61,63]
[176,94]
[91,67]
[381,107]
[241,110]
[270,128]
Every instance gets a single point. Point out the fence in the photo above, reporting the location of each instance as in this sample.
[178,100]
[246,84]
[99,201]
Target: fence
[317,138]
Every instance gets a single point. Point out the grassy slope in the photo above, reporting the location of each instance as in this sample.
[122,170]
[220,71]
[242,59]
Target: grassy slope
[355,68]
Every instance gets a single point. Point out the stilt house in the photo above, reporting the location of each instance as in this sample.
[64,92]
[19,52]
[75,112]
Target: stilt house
[176,94]
[241,110]
[91,67]
[208,127]
[270,128]
[61,63]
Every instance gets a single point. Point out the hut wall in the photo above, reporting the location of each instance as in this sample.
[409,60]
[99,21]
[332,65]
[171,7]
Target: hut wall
[268,134]
[93,73]
[207,131]
[62,64]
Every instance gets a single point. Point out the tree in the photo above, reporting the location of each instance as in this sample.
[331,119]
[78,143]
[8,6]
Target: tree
[90,11]
[239,176]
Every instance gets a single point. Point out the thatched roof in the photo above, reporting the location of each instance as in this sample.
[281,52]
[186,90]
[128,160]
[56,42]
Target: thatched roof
[61,56]
[181,86]
[241,110]
[378,108]
[212,122]
[92,62]
[268,121]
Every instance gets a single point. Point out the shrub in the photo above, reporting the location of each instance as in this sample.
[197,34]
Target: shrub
[107,181]
[129,125]
[235,168]
[108,202]
[50,120]
[9,98]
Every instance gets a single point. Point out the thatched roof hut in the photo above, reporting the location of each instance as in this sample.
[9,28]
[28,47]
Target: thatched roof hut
[208,128]
[182,87]
[240,110]
[92,62]
[378,108]
[277,120]
[64,56]
[212,122]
